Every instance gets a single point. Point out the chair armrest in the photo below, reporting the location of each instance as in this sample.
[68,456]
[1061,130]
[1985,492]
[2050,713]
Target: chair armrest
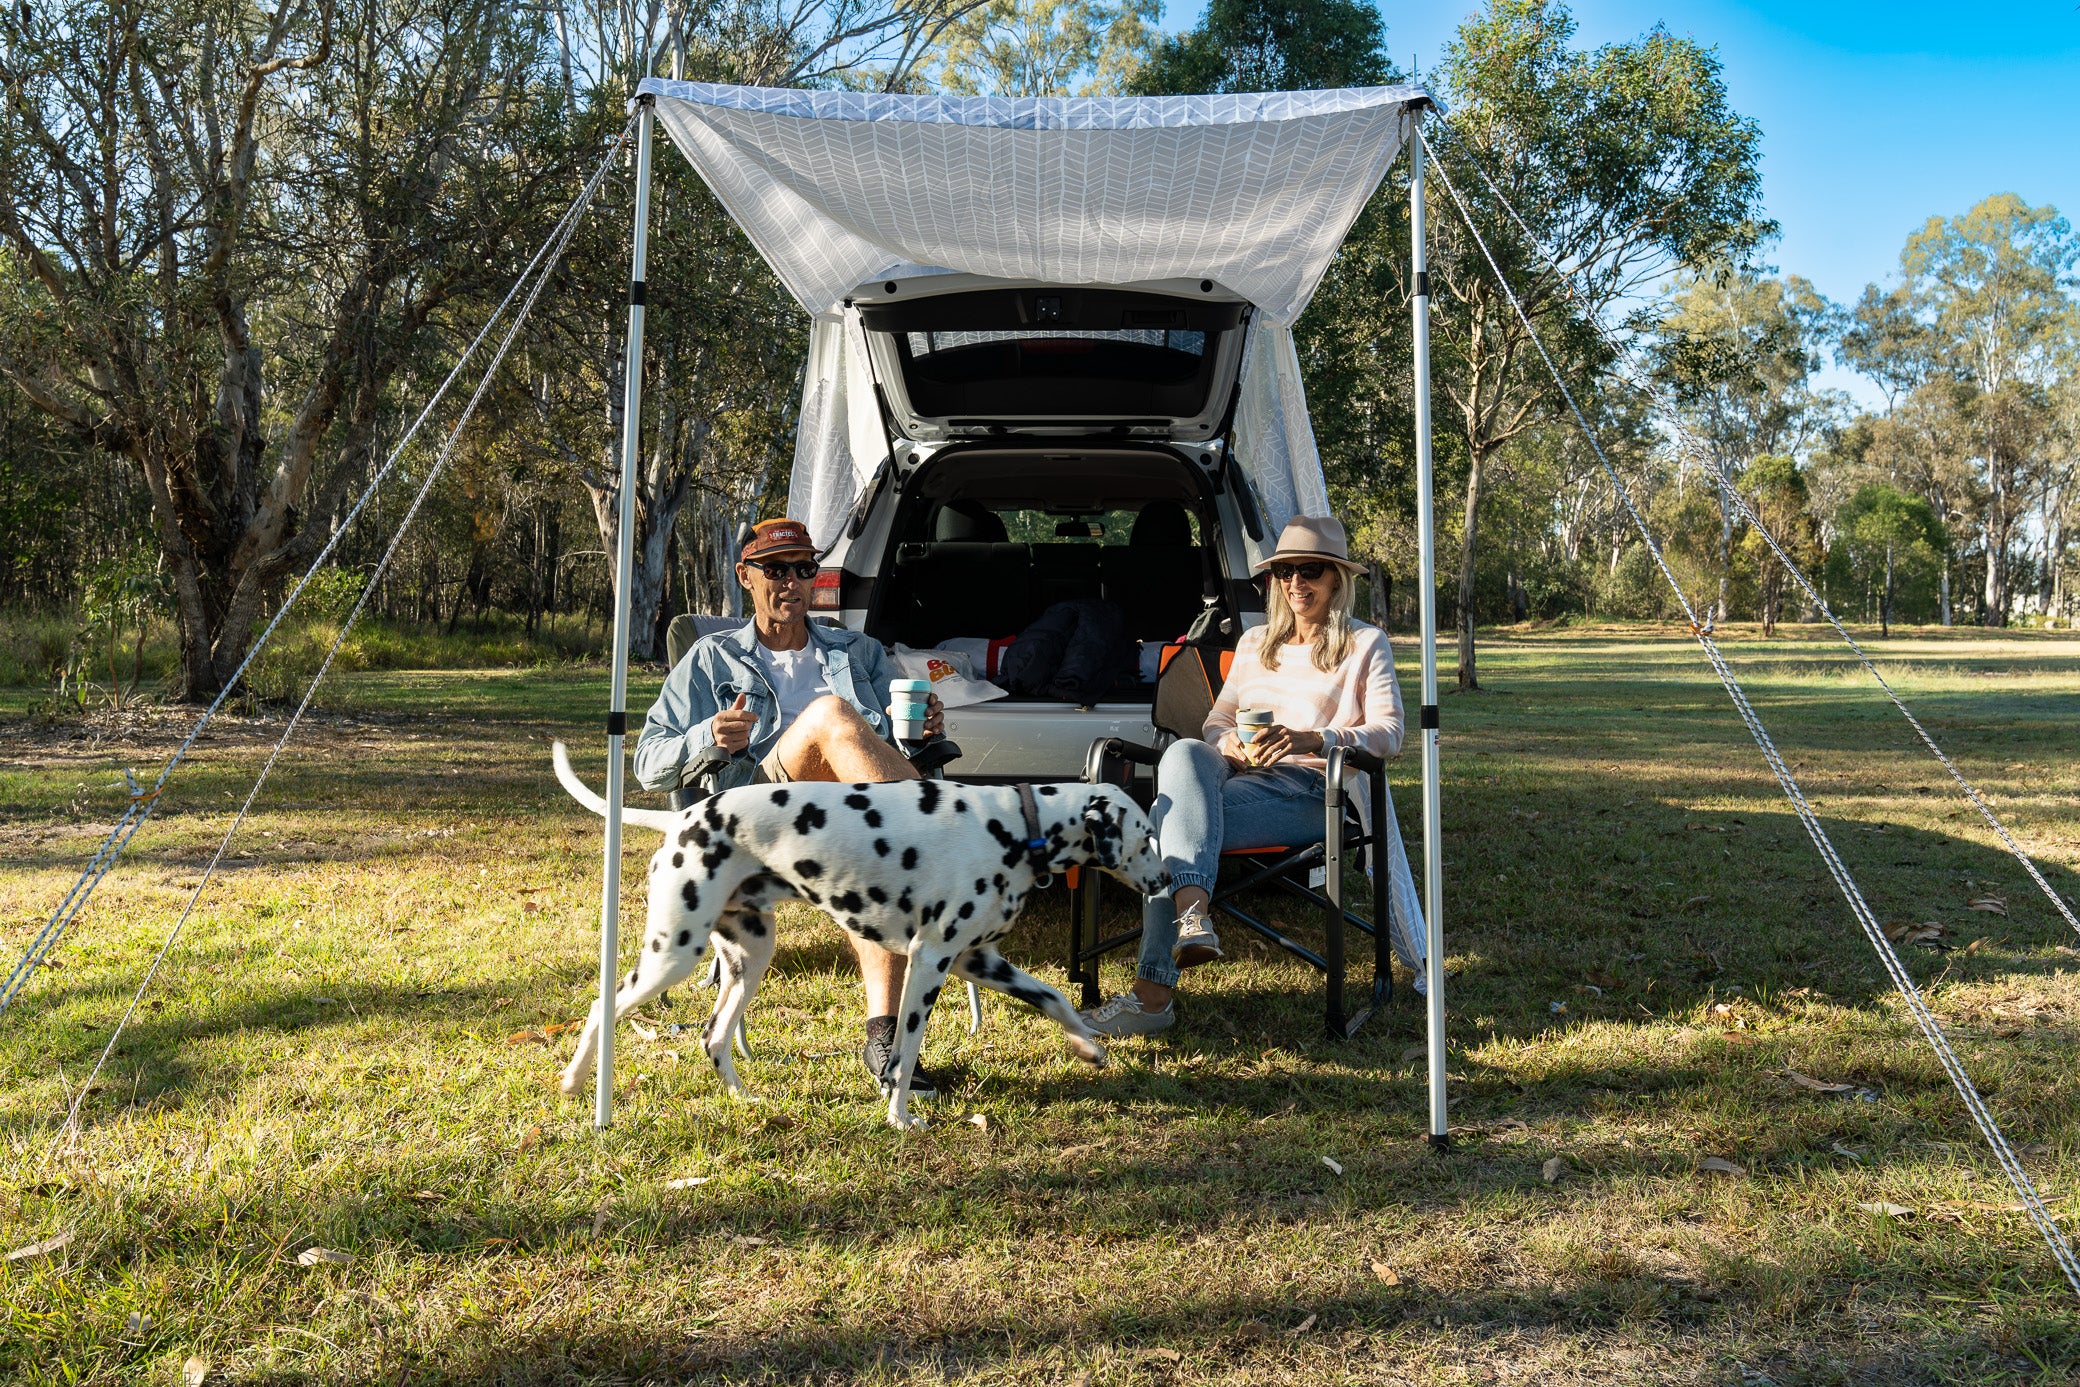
[1106,753]
[1364,761]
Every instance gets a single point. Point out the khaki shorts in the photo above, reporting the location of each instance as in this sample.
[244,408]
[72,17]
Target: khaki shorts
[770,771]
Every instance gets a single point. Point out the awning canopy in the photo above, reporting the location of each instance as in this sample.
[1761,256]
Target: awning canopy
[1254,192]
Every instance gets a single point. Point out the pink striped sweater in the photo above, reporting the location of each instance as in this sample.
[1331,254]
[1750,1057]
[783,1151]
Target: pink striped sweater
[1358,704]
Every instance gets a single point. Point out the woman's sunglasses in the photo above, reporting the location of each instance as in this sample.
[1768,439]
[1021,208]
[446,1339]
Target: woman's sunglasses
[780,570]
[1308,572]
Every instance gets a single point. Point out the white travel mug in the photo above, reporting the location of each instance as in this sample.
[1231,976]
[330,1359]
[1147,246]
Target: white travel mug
[908,707]
[1249,722]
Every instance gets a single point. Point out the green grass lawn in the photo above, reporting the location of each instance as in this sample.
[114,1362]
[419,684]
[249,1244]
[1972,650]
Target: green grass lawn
[339,1054]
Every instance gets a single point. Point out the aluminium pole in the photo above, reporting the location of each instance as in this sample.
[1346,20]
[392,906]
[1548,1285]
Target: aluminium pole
[624,580]
[1426,592]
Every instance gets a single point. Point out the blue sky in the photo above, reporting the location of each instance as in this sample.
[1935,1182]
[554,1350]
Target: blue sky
[1874,117]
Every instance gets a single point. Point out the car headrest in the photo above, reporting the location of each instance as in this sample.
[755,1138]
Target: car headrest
[969,521]
[1162,525]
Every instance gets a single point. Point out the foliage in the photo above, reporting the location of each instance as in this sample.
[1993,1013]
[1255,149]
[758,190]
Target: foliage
[1888,549]
[1046,47]
[1262,45]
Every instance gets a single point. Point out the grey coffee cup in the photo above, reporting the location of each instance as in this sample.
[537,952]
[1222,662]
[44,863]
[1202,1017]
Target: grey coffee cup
[1249,722]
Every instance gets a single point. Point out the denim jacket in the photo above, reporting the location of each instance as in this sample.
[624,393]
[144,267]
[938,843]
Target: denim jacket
[721,666]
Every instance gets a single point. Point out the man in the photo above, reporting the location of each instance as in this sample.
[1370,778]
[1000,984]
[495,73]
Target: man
[787,699]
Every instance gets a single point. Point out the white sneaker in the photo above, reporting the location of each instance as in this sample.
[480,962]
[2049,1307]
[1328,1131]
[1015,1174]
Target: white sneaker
[1123,1015]
[1196,941]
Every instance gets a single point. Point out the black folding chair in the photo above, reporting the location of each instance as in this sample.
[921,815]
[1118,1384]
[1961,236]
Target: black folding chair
[1289,869]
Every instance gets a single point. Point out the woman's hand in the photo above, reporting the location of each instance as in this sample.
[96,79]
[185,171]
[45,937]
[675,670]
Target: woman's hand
[1275,742]
[935,716]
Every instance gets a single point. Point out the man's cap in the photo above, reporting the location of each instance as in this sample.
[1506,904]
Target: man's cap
[770,537]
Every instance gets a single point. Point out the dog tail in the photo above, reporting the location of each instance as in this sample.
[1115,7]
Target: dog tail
[663,820]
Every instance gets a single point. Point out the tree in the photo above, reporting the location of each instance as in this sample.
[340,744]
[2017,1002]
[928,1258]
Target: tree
[1991,287]
[238,223]
[1259,45]
[1626,162]
[1887,539]
[1775,490]
[1738,355]
[1046,47]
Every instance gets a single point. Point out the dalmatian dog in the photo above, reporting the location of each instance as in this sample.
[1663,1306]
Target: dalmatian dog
[930,869]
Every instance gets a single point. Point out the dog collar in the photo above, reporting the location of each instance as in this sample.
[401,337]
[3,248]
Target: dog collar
[1036,841]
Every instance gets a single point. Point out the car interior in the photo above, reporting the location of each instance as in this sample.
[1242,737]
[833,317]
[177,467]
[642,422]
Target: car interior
[1126,527]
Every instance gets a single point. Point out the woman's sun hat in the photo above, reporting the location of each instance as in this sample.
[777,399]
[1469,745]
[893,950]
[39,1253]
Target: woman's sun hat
[1312,537]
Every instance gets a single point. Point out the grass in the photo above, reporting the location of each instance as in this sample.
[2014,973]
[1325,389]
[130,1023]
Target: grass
[1642,942]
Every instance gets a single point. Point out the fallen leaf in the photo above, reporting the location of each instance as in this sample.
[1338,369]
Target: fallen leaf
[1588,989]
[528,1037]
[687,1182]
[745,1240]
[1386,1274]
[1740,1037]
[1696,900]
[312,1256]
[530,1138]
[501,1001]
[1333,1166]
[1814,1084]
[562,1027]
[1888,1209]
[1557,1008]
[426,1196]
[978,1120]
[1719,1165]
[1554,1171]
[1901,932]
[1841,1150]
[195,1371]
[42,1249]
[1604,980]
[642,1030]
[1168,1355]
[1414,1052]
[1992,905]
[138,1324]
[1302,1327]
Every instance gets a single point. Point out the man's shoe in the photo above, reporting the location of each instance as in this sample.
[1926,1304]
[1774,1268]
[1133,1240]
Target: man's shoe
[1123,1015]
[1196,942]
[880,1053]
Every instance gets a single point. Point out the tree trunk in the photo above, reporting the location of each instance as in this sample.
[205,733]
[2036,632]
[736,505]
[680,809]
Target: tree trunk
[1468,677]
[1885,604]
[1381,605]
[1945,590]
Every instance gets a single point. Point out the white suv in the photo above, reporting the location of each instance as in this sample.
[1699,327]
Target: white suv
[1049,442]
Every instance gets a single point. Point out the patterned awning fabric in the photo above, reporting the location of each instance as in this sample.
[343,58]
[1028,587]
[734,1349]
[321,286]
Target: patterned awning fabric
[1254,192]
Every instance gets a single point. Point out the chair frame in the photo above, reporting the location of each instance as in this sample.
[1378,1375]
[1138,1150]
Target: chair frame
[1111,761]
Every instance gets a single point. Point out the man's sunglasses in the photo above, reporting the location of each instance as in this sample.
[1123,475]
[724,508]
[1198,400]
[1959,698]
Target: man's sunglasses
[780,570]
[1309,572]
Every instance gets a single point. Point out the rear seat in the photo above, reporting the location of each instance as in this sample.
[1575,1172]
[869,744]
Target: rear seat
[1063,572]
[970,580]
[1158,575]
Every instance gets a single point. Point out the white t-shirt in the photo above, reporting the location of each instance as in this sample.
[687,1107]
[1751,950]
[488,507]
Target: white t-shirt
[797,679]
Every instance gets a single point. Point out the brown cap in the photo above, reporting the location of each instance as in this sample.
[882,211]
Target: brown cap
[1312,537]
[769,537]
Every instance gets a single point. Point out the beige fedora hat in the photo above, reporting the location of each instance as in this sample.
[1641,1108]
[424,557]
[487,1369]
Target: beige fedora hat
[1312,537]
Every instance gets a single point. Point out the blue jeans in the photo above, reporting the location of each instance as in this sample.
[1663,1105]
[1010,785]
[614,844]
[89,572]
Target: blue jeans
[1205,807]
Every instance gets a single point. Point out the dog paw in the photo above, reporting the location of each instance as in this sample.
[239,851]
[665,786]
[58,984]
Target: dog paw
[1089,1051]
[572,1084]
[744,1095]
[908,1122]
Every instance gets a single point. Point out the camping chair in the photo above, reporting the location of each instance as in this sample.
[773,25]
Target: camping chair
[930,757]
[1186,686]
[1299,871]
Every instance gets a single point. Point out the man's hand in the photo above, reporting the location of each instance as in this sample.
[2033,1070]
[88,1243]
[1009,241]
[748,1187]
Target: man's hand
[1274,743]
[732,726]
[935,716]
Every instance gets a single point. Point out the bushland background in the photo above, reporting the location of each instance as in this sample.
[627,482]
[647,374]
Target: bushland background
[244,244]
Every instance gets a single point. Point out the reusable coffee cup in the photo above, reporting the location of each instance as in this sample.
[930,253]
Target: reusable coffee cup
[908,707]
[1249,722]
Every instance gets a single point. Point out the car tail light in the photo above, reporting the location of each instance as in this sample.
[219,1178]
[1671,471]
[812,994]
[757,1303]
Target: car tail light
[824,595]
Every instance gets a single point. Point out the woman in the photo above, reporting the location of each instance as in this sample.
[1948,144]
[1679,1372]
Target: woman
[1327,680]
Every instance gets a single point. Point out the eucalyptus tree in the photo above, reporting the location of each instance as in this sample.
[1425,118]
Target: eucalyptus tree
[236,225]
[1738,355]
[1626,162]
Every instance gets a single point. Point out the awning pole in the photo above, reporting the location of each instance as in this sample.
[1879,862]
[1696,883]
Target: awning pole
[624,580]
[1426,531]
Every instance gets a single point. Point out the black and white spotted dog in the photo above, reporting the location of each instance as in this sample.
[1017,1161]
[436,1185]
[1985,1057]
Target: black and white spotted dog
[929,869]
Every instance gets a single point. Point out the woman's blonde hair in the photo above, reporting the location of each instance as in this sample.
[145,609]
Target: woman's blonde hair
[1331,644]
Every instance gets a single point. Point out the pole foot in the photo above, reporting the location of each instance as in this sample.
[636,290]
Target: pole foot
[1440,1143]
